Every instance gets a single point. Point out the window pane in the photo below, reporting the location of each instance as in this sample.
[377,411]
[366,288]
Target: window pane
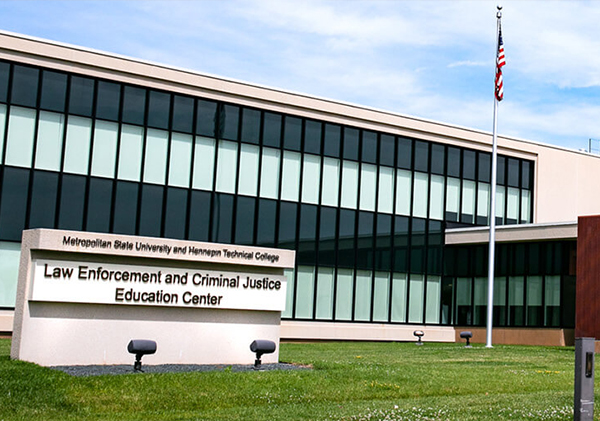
[105,149]
[421,156]
[403,192]
[222,218]
[452,199]
[107,100]
[269,174]
[43,199]
[312,137]
[287,226]
[469,164]
[453,163]
[244,220]
[305,292]
[485,167]
[344,294]
[307,235]
[331,146]
[81,96]
[176,213]
[183,113]
[552,301]
[21,128]
[368,186]
[385,201]
[434,289]
[468,202]
[499,317]
[24,86]
[10,256]
[99,205]
[204,163]
[500,202]
[2,126]
[535,312]
[324,303]
[13,205]
[272,129]
[483,203]
[200,205]
[77,148]
[415,305]
[526,175]
[513,172]
[227,166]
[420,197]
[515,301]
[125,210]
[72,199]
[349,184]
[399,297]
[331,181]
[54,91]
[479,301]
[151,210]
[512,205]
[155,162]
[362,302]
[327,241]
[134,105]
[229,117]
[265,229]
[290,183]
[159,107]
[49,141]
[289,293]
[369,147]
[130,152]
[525,206]
[463,314]
[248,179]
[250,125]
[365,237]
[387,150]
[436,197]
[438,158]
[292,135]
[404,153]
[180,160]
[311,179]
[4,75]
[381,297]
[350,145]
[206,118]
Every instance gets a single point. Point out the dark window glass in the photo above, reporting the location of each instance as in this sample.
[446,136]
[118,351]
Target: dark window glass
[327,236]
[534,260]
[386,150]
[332,139]
[134,105]
[346,249]
[206,118]
[99,204]
[520,259]
[24,86]
[183,113]
[438,158]
[250,125]
[222,218]
[272,130]
[81,96]
[501,259]
[369,147]
[159,107]
[54,91]
[125,210]
[417,251]
[107,100]
[151,210]
[199,216]
[364,243]
[383,245]
[447,300]
[175,213]
[292,135]
[526,175]
[287,225]
[4,74]
[350,146]
[307,237]
[435,250]
[404,153]
[513,172]
[244,220]
[453,163]
[266,220]
[72,201]
[469,164]
[479,261]
[401,236]
[501,171]
[14,203]
[229,119]
[312,137]
[485,167]
[568,301]
[421,156]
[43,199]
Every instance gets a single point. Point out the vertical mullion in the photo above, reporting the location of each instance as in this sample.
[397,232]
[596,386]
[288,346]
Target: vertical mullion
[33,149]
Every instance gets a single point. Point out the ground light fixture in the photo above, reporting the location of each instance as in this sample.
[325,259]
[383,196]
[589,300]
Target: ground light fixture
[467,335]
[419,334]
[140,347]
[260,347]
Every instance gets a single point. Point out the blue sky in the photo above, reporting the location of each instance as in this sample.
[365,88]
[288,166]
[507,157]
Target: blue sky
[429,59]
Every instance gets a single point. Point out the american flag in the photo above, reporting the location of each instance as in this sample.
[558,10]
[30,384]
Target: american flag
[500,62]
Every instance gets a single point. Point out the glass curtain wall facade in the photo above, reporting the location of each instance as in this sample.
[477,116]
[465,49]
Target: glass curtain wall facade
[365,211]
[534,284]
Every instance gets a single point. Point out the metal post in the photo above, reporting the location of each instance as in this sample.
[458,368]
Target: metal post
[583,409]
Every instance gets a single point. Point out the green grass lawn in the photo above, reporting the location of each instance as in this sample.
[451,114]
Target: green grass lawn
[349,381]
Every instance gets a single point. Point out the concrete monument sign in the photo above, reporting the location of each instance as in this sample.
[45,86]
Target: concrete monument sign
[83,296]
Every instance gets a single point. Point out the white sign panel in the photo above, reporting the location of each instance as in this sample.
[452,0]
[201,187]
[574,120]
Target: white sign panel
[101,283]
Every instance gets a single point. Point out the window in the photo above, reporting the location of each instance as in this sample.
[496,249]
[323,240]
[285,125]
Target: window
[155,161]
[248,179]
[344,294]
[331,180]
[349,184]
[385,199]
[381,296]
[72,200]
[324,304]
[10,256]
[49,141]
[105,149]
[269,174]
[305,285]
[130,153]
[134,105]
[290,183]
[107,100]
[77,145]
[362,299]
[250,125]
[24,86]
[204,163]
[81,96]
[43,199]
[399,297]
[183,113]
[368,187]
[54,91]
[403,192]
[159,108]
[21,129]
[151,207]
[227,166]
[180,160]
[420,204]
[416,296]
[311,173]
[436,198]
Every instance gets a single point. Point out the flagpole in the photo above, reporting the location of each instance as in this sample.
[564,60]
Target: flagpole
[492,243]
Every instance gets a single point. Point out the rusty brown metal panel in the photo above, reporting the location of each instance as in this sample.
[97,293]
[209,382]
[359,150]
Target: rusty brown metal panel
[587,298]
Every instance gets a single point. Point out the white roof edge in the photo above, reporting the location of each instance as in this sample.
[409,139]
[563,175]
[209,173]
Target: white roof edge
[279,90]
[511,227]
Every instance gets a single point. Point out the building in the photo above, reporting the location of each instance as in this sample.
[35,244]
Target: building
[384,210]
